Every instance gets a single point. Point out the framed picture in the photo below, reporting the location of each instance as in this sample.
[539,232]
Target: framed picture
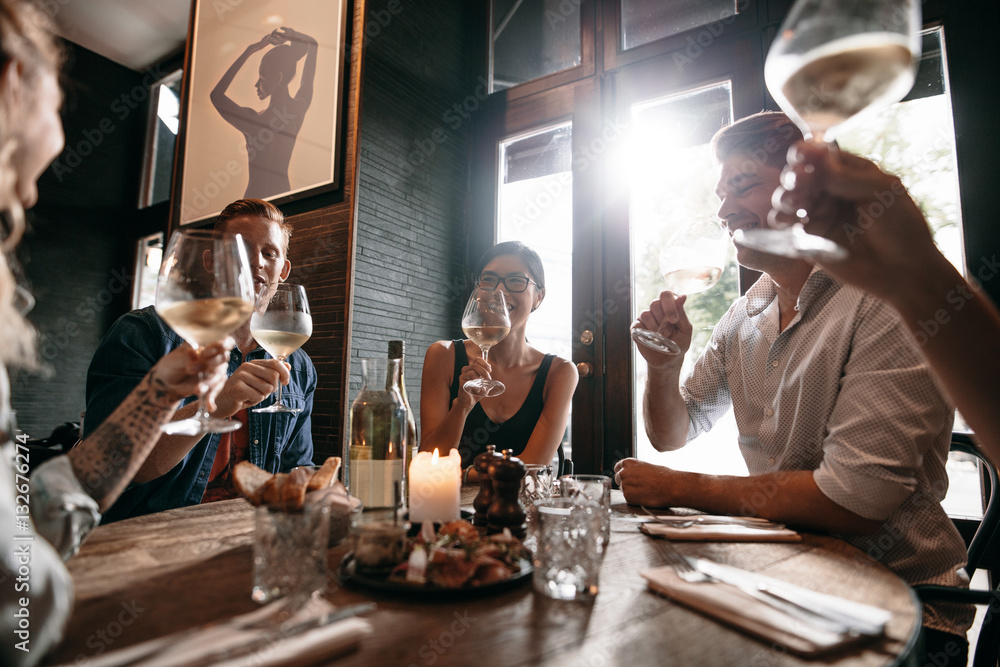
[264,86]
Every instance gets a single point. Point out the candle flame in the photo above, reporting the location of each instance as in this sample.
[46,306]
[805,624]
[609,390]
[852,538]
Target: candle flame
[435,456]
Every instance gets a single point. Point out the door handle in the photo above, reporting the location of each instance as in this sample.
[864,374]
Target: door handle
[585,369]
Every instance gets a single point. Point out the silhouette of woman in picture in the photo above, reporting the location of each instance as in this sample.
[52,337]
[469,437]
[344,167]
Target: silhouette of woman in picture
[270,134]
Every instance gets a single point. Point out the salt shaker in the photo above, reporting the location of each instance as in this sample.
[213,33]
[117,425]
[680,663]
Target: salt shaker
[506,511]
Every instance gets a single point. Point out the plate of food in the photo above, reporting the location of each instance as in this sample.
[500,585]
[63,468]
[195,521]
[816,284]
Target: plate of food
[455,562]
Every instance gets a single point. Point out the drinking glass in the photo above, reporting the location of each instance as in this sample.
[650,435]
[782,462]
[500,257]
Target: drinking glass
[568,557]
[486,323]
[537,484]
[692,261]
[289,551]
[594,489]
[281,323]
[833,60]
[204,292]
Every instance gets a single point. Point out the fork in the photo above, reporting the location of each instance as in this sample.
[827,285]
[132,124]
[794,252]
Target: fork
[689,573]
[759,524]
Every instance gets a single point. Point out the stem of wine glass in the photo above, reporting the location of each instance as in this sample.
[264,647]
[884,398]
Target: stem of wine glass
[486,352]
[202,414]
[278,402]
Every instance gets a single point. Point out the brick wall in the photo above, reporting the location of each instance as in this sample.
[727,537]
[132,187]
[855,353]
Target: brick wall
[77,255]
[413,171]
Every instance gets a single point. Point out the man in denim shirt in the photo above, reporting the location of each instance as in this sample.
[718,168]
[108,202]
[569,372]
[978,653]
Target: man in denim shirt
[187,470]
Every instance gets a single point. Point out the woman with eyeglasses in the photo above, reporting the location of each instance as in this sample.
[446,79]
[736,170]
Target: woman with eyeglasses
[530,416]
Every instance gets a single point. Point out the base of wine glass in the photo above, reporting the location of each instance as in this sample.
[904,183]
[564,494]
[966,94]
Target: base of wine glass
[655,341]
[200,426]
[484,388]
[793,242]
[277,407]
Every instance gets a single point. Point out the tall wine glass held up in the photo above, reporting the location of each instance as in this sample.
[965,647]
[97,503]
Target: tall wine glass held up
[281,323]
[832,61]
[692,261]
[204,292]
[486,323]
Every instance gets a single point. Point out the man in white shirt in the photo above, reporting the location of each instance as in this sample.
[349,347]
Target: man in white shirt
[840,422]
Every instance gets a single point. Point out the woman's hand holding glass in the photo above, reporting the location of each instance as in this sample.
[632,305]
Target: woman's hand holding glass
[831,62]
[865,210]
[186,371]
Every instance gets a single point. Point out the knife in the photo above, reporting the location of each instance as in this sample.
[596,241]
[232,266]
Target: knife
[754,586]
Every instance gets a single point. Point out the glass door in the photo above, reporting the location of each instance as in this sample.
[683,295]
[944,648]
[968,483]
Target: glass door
[670,178]
[535,206]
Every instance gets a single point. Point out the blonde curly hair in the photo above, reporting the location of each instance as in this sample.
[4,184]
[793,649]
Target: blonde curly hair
[26,42]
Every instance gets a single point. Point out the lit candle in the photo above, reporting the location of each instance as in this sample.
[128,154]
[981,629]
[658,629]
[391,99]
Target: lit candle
[435,486]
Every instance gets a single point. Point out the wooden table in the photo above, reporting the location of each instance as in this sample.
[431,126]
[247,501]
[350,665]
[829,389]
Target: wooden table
[160,573]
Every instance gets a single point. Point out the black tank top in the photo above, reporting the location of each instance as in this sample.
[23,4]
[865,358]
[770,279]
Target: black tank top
[480,430]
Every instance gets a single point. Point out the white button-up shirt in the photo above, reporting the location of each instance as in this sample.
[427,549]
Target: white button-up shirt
[842,391]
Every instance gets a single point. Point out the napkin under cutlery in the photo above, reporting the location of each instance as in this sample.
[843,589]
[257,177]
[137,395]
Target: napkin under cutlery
[729,604]
[257,638]
[718,529]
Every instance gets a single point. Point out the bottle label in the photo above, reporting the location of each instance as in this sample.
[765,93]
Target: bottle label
[372,481]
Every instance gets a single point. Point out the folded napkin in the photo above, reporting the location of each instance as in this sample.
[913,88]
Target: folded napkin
[718,532]
[273,645]
[732,606]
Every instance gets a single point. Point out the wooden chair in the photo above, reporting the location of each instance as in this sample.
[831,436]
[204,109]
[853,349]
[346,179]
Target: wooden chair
[983,549]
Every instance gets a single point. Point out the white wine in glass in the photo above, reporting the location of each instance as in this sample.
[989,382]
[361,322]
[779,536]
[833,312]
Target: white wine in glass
[281,323]
[691,261]
[832,61]
[486,323]
[204,292]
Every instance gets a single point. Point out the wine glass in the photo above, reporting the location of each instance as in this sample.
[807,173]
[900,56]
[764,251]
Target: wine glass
[204,292]
[281,323]
[692,261]
[486,323]
[833,60]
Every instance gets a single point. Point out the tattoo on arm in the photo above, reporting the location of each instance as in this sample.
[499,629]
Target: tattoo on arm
[105,462]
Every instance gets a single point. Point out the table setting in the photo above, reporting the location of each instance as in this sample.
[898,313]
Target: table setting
[591,564]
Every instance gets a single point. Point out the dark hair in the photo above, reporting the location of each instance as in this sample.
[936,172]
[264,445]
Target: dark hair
[254,208]
[519,250]
[281,60]
[763,137]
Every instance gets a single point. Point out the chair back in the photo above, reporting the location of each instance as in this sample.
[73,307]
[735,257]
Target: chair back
[985,543]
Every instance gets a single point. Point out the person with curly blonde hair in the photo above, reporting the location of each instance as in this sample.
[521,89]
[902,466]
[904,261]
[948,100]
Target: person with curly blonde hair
[45,518]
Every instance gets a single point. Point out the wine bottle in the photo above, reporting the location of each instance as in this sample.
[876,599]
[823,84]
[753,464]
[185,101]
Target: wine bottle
[378,453]
[397,350]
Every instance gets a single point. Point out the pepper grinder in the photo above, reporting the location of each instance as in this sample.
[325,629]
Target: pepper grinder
[485,496]
[506,510]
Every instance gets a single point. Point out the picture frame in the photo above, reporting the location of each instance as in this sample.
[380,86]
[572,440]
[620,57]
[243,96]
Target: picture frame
[261,112]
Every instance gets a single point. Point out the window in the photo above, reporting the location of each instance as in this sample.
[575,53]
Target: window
[536,207]
[149,252]
[533,39]
[161,138]
[671,180]
[644,21]
[662,78]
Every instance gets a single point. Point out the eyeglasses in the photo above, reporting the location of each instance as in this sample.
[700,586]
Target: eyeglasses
[515,284]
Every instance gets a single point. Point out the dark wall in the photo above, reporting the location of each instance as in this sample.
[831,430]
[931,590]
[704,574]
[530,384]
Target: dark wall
[78,253]
[419,93]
